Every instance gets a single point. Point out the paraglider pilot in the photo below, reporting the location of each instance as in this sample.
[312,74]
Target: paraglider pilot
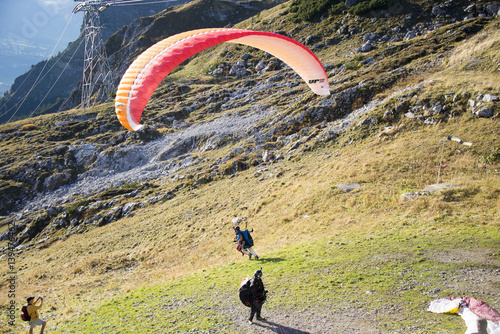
[253,295]
[257,296]
[244,242]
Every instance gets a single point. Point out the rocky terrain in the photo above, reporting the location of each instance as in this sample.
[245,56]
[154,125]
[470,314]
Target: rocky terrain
[393,71]
[88,155]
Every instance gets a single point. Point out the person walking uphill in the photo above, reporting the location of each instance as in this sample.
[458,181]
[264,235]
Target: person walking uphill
[34,315]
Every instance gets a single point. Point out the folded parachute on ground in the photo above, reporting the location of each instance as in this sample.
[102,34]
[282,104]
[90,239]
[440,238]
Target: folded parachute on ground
[153,65]
[473,311]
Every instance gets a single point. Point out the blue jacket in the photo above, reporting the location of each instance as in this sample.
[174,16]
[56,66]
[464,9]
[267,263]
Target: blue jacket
[247,239]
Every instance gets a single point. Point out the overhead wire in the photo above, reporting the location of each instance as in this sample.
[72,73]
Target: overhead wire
[20,103]
[12,94]
[138,2]
[55,82]
[38,79]
[35,82]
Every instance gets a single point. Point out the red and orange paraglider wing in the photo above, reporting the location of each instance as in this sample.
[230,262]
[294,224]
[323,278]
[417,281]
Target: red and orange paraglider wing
[153,65]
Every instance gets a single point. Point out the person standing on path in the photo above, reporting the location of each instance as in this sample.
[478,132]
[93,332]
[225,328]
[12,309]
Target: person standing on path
[34,315]
[257,296]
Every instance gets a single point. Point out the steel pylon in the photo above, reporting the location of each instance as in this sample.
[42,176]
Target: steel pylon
[96,71]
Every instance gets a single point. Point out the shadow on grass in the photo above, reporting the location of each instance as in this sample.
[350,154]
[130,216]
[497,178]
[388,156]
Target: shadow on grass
[271,259]
[277,328]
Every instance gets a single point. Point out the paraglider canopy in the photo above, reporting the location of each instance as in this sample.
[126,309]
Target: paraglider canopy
[153,65]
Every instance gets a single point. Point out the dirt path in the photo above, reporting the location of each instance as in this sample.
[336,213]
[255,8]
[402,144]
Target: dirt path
[310,322]
[472,279]
[278,320]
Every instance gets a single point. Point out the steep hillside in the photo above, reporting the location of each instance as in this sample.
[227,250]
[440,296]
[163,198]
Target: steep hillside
[48,83]
[100,219]
[54,85]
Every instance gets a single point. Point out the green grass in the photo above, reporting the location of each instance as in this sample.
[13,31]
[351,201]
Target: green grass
[362,251]
[367,271]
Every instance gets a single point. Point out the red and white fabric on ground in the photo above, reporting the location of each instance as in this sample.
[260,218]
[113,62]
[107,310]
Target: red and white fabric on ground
[471,310]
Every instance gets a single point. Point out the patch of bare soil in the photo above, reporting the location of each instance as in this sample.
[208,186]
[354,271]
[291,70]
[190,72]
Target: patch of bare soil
[478,275]
[460,255]
[312,321]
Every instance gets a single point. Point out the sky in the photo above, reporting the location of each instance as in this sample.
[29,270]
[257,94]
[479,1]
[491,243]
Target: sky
[38,21]
[33,30]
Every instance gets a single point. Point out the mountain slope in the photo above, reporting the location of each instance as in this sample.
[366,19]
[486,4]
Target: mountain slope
[56,81]
[118,210]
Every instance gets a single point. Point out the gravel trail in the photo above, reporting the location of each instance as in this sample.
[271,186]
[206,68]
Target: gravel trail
[144,162]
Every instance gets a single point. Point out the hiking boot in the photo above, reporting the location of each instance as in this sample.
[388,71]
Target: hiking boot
[249,256]
[256,257]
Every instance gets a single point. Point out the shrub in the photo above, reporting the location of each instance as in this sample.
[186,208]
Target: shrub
[352,65]
[366,6]
[338,8]
[213,66]
[131,185]
[28,127]
[308,10]
[72,209]
[227,168]
[359,57]
[493,157]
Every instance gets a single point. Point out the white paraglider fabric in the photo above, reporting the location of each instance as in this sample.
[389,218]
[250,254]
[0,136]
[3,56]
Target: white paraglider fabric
[460,306]
[444,305]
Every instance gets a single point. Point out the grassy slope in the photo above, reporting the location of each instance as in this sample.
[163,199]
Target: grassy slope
[392,273]
[313,238]
[349,243]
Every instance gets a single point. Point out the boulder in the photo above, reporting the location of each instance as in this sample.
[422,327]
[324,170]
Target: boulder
[367,121]
[438,11]
[310,39]
[332,41]
[485,112]
[489,98]
[85,153]
[238,220]
[57,180]
[260,66]
[493,9]
[147,133]
[238,70]
[267,156]
[344,30]
[410,196]
[52,211]
[367,47]
[410,35]
[347,187]
[440,186]
[129,207]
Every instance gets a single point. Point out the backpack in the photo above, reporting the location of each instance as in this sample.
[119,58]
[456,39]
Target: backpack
[248,238]
[24,315]
[244,291]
